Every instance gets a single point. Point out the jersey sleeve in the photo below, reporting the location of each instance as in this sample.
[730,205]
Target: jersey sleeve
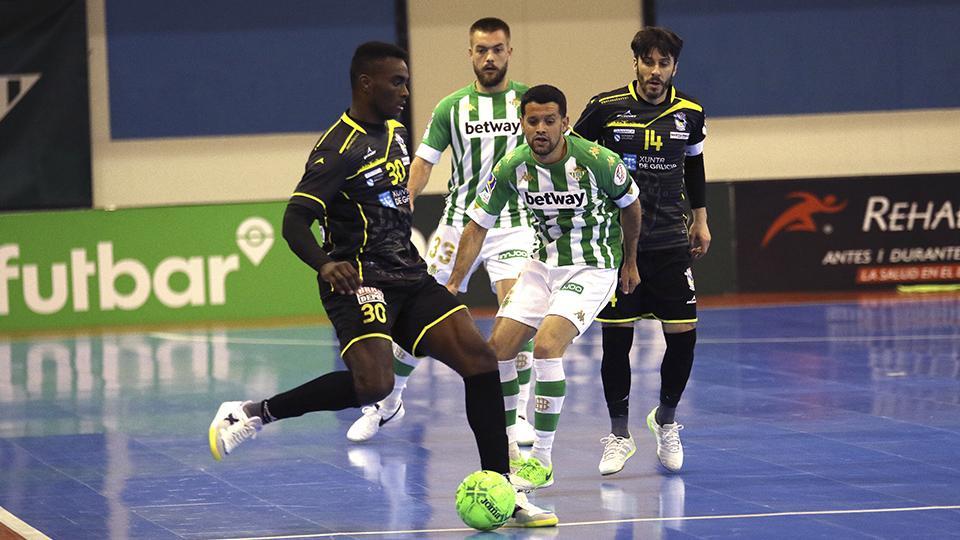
[616,182]
[323,178]
[697,135]
[499,189]
[436,137]
[589,125]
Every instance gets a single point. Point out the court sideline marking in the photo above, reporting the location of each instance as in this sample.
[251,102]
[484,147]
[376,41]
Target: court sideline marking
[716,341]
[629,520]
[17,527]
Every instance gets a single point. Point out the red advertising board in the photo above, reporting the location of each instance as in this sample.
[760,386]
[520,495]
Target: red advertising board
[847,233]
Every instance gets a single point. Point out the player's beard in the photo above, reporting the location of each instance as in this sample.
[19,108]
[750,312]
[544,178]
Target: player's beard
[490,79]
[664,84]
[545,153]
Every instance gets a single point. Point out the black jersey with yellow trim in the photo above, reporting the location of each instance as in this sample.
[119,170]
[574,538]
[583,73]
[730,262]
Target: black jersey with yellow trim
[356,183]
[653,141]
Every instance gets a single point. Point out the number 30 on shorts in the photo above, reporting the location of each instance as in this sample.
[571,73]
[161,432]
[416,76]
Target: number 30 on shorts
[374,312]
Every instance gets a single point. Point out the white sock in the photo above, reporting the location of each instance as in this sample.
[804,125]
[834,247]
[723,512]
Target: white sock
[551,388]
[403,365]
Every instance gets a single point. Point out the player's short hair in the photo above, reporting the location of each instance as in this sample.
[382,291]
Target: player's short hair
[490,25]
[543,94]
[656,37]
[367,54]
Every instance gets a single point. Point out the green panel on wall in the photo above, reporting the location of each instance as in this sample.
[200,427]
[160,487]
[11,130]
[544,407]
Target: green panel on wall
[150,265]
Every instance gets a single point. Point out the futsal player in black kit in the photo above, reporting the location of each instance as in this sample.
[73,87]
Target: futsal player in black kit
[373,284]
[659,132]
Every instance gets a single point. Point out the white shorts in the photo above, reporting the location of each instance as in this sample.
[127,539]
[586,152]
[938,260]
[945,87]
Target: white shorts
[576,293]
[503,254]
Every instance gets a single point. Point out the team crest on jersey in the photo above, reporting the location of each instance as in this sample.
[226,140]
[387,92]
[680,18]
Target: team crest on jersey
[680,120]
[578,172]
[620,175]
[367,295]
[403,145]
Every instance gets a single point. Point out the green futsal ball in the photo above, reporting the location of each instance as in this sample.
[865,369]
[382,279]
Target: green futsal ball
[485,500]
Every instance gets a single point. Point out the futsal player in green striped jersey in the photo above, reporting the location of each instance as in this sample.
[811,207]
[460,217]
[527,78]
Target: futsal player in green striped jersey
[587,218]
[480,123]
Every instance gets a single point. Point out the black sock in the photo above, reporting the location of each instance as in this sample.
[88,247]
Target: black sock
[484,399]
[676,366]
[260,409]
[615,374]
[331,392]
[620,425]
[666,415]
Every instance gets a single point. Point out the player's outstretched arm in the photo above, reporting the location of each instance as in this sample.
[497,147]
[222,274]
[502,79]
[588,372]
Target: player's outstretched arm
[419,176]
[470,242]
[630,223]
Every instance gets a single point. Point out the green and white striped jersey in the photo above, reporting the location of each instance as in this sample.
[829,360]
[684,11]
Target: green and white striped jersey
[479,129]
[574,201]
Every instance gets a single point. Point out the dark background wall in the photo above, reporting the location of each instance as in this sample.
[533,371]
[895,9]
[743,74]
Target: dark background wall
[760,57]
[180,68]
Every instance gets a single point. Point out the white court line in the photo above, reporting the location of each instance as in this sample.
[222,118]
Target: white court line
[829,339]
[616,521]
[18,526]
[169,336]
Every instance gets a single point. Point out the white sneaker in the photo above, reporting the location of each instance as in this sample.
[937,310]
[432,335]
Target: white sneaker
[374,417]
[526,435]
[230,427]
[616,452]
[527,514]
[669,449]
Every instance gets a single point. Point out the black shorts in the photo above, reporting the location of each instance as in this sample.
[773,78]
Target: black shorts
[401,313]
[666,291]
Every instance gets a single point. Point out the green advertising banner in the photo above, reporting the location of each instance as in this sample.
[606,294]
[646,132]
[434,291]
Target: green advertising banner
[85,268]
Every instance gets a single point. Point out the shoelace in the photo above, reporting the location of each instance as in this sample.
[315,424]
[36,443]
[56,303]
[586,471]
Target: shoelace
[234,437]
[671,438]
[369,409]
[534,469]
[614,446]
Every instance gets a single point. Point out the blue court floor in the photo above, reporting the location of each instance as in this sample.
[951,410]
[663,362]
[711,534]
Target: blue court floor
[836,420]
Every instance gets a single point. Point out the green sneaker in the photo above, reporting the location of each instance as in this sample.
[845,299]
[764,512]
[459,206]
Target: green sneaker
[516,465]
[532,475]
